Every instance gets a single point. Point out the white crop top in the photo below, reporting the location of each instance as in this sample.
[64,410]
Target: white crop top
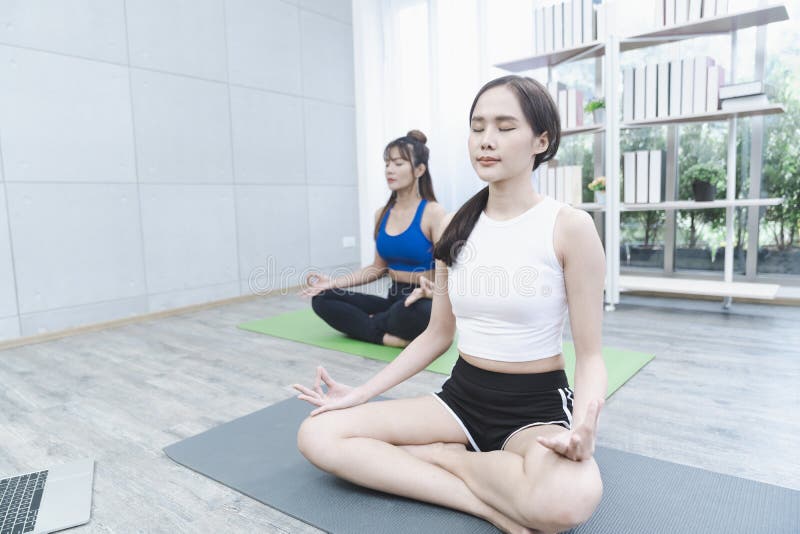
[507,289]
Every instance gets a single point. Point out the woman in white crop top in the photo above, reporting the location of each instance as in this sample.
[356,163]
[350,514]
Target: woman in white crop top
[506,439]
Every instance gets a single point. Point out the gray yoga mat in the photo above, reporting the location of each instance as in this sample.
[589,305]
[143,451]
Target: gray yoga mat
[257,456]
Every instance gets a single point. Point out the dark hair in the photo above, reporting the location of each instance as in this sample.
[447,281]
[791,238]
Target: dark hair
[542,116]
[413,149]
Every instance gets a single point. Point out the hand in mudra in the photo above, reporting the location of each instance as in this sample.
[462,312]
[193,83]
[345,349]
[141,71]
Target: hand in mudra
[315,283]
[424,291]
[578,443]
[337,396]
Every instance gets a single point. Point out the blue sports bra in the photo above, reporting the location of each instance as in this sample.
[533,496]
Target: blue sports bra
[410,251]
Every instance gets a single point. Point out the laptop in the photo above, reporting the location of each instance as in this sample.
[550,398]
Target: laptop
[46,501]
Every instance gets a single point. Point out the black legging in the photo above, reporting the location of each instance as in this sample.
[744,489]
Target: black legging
[349,312]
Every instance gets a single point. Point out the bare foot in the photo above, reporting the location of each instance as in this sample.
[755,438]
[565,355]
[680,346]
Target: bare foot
[394,341]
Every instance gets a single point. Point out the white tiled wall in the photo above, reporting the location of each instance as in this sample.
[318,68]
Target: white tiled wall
[159,154]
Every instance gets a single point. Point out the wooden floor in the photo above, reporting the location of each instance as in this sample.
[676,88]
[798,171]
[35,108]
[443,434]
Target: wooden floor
[722,394]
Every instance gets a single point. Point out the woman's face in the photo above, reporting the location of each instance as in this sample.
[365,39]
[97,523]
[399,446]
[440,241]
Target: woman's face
[501,143]
[399,172]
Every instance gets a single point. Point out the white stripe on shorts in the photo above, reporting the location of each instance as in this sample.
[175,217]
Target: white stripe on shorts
[564,405]
[469,437]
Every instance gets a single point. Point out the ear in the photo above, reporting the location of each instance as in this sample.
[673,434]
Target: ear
[419,170]
[541,143]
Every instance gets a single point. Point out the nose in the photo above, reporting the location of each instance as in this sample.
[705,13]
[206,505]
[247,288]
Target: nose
[487,139]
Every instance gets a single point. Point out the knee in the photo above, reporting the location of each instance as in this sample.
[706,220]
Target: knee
[318,301]
[315,440]
[557,511]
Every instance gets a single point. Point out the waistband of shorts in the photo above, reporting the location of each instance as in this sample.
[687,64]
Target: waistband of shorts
[511,382]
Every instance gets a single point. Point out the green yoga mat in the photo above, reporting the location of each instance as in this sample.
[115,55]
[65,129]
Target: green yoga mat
[304,326]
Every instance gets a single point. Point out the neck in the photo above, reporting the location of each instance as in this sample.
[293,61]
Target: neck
[511,197]
[407,197]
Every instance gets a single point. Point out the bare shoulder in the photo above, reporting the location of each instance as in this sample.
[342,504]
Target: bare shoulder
[432,218]
[442,223]
[574,229]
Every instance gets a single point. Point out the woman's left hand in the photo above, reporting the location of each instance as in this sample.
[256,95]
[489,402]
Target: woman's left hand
[578,443]
[424,291]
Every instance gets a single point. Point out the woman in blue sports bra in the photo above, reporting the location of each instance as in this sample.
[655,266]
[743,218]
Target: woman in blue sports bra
[404,242]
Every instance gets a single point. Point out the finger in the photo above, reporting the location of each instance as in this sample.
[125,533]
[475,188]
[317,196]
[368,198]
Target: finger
[318,382]
[321,409]
[313,400]
[304,390]
[554,445]
[327,378]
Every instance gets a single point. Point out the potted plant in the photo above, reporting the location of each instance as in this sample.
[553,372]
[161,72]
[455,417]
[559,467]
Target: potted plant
[597,107]
[598,185]
[704,178]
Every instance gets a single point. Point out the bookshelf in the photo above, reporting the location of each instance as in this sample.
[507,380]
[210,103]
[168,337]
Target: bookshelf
[719,115]
[606,53]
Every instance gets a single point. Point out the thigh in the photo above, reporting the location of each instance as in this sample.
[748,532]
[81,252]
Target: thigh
[552,474]
[415,421]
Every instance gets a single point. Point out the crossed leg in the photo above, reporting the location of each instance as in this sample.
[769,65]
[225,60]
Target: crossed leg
[369,446]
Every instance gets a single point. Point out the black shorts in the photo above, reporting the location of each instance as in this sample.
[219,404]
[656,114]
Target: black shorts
[491,407]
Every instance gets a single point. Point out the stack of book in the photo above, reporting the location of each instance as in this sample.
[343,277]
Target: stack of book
[745,95]
[564,24]
[675,12]
[569,102]
[643,176]
[671,89]
[563,183]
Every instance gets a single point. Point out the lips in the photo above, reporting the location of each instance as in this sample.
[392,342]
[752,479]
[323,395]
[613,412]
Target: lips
[487,159]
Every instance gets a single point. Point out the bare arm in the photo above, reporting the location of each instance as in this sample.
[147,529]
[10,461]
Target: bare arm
[584,276]
[425,348]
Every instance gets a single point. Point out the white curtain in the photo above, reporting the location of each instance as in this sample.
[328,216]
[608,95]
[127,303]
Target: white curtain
[418,64]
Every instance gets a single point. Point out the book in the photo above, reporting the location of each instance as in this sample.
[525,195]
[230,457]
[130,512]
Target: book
[722,7]
[687,87]
[642,168]
[695,9]
[656,175]
[558,26]
[563,108]
[600,14]
[541,22]
[629,177]
[700,84]
[669,12]
[744,102]
[577,22]
[659,14]
[716,74]
[575,184]
[549,13]
[675,87]
[574,108]
[535,26]
[681,11]
[735,90]
[553,88]
[587,17]
[568,39]
[639,91]
[709,8]
[560,184]
[662,109]
[651,90]
[627,94]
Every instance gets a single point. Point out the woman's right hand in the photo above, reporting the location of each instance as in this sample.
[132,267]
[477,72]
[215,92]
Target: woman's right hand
[315,283]
[337,397]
